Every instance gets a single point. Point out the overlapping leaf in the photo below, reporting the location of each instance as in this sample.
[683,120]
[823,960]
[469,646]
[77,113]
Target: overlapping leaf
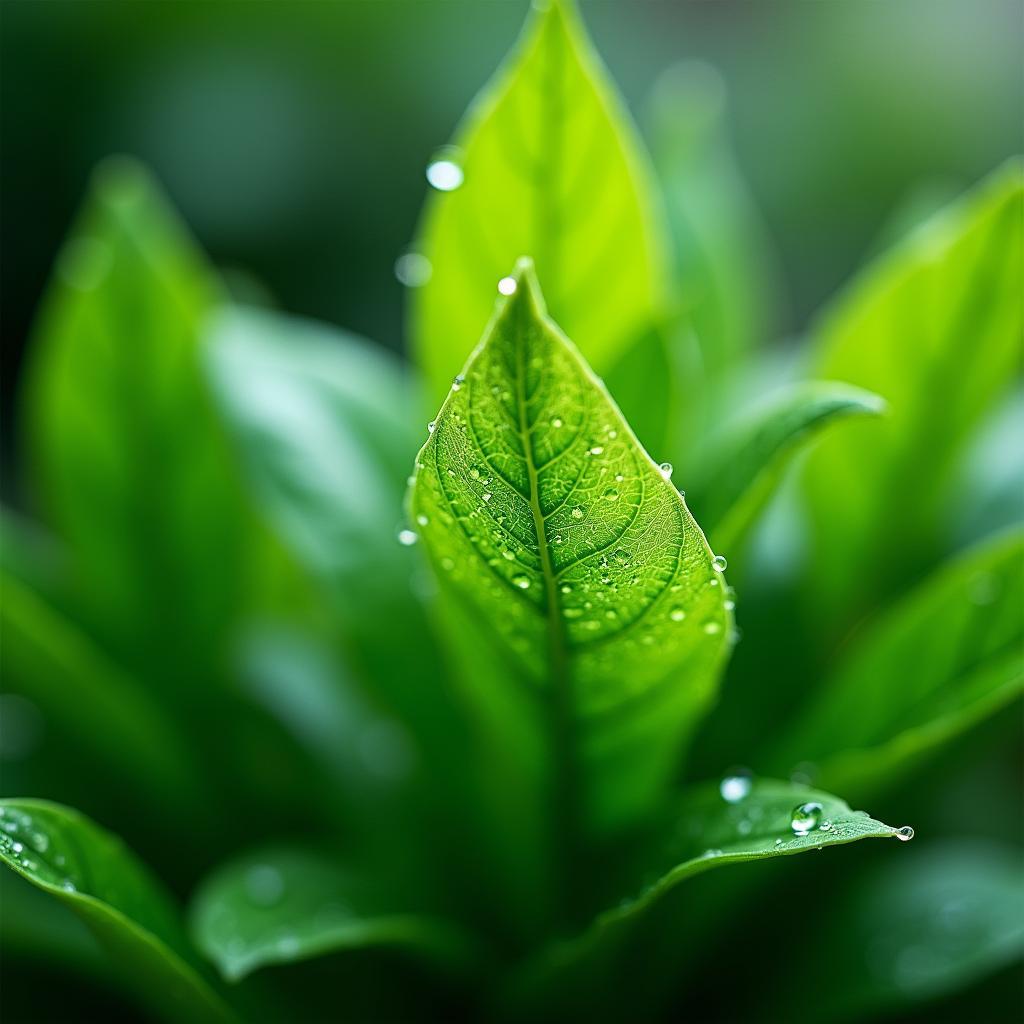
[935,328]
[132,918]
[282,905]
[548,521]
[549,165]
[947,655]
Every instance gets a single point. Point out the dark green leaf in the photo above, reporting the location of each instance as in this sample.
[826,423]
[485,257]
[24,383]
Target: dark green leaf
[935,328]
[283,905]
[943,658]
[551,167]
[744,467]
[95,876]
[547,520]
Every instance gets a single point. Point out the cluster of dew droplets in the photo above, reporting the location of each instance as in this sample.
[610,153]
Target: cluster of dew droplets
[21,841]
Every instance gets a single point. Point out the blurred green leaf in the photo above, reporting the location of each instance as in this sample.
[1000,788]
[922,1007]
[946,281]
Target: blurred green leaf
[546,164]
[282,905]
[914,928]
[724,264]
[54,662]
[95,876]
[568,546]
[935,328]
[124,452]
[742,469]
[944,657]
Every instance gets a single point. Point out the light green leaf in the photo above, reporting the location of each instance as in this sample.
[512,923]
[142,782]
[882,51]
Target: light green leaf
[935,328]
[322,421]
[551,166]
[546,519]
[744,466]
[126,457]
[943,658]
[94,875]
[711,826]
[724,261]
[914,928]
[52,661]
[283,905]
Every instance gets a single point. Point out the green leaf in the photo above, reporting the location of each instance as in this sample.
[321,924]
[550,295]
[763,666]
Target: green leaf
[125,454]
[552,167]
[943,658]
[321,419]
[711,826]
[52,661]
[723,258]
[935,328]
[94,875]
[570,549]
[914,928]
[283,905]
[744,467]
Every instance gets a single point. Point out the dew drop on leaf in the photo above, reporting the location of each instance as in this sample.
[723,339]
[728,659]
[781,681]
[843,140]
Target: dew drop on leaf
[735,786]
[407,537]
[444,172]
[666,470]
[720,563]
[905,834]
[805,817]
[413,269]
[521,581]
[677,614]
[507,286]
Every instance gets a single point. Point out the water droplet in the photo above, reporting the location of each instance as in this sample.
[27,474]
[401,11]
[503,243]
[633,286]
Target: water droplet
[431,426]
[597,449]
[507,286]
[666,470]
[413,269]
[805,817]
[264,885]
[577,512]
[719,562]
[67,885]
[621,556]
[778,842]
[735,786]
[458,382]
[556,422]
[521,581]
[508,554]
[611,494]
[825,826]
[422,519]
[905,834]
[487,495]
[407,537]
[728,604]
[711,628]
[677,614]
[572,613]
[444,172]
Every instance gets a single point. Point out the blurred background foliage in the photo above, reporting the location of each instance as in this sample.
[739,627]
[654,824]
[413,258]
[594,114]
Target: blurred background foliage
[292,138]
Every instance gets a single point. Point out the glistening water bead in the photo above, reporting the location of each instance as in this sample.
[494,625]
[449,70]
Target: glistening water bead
[805,817]
[905,834]
[734,788]
[444,172]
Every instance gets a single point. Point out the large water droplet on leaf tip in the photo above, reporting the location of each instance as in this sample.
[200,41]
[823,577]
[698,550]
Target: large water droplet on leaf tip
[805,817]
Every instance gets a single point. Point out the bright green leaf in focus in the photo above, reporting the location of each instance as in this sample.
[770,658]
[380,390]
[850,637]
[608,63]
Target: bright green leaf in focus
[943,658]
[283,905]
[546,162]
[914,928]
[570,548]
[743,468]
[935,327]
[94,875]
[127,459]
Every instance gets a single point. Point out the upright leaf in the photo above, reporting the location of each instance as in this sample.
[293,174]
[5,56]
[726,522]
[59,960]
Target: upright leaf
[130,915]
[546,163]
[125,455]
[286,904]
[744,465]
[934,327]
[944,657]
[573,552]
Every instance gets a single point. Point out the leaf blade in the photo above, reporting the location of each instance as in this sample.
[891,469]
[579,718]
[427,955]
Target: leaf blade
[538,148]
[569,506]
[285,904]
[95,876]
